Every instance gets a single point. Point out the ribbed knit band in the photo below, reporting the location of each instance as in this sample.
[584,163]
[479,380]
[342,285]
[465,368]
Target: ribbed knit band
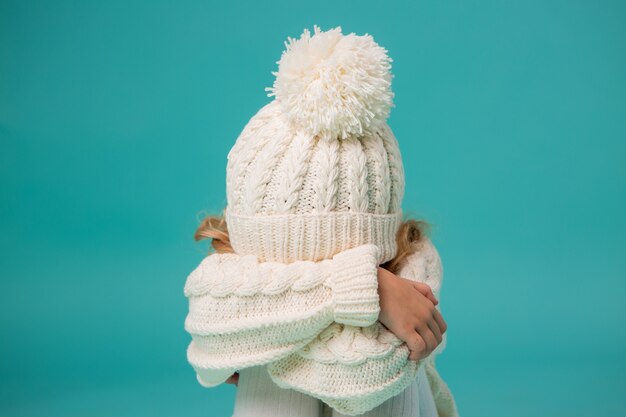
[354,282]
[311,236]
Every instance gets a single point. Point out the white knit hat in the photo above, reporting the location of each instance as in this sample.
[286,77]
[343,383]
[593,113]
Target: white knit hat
[317,170]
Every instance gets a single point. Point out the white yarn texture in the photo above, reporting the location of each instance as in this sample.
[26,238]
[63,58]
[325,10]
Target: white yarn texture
[314,324]
[334,85]
[314,188]
[318,170]
[292,196]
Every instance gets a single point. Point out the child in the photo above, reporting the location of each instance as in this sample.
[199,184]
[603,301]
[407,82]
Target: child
[300,297]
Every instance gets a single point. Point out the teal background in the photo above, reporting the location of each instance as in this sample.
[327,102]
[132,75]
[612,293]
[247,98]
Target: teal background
[115,121]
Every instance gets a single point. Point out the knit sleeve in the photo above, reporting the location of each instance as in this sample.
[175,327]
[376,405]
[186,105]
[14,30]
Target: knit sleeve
[243,312]
[354,369]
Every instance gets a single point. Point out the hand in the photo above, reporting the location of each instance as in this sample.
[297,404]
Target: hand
[233,379]
[407,309]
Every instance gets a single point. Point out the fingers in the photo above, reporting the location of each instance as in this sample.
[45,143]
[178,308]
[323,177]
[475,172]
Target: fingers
[429,337]
[434,327]
[426,291]
[440,321]
[428,333]
[422,344]
[416,345]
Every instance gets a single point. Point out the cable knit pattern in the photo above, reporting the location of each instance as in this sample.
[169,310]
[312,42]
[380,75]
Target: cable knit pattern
[316,197]
[314,187]
[318,169]
[314,324]
[357,368]
[244,313]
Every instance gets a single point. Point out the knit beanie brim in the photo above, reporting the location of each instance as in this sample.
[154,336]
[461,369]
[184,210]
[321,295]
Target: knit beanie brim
[311,236]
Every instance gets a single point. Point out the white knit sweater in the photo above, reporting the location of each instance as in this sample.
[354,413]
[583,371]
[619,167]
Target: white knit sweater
[314,324]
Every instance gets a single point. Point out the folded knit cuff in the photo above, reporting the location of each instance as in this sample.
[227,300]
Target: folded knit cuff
[354,284]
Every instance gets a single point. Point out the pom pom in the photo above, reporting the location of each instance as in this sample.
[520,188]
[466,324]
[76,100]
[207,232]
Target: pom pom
[334,85]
